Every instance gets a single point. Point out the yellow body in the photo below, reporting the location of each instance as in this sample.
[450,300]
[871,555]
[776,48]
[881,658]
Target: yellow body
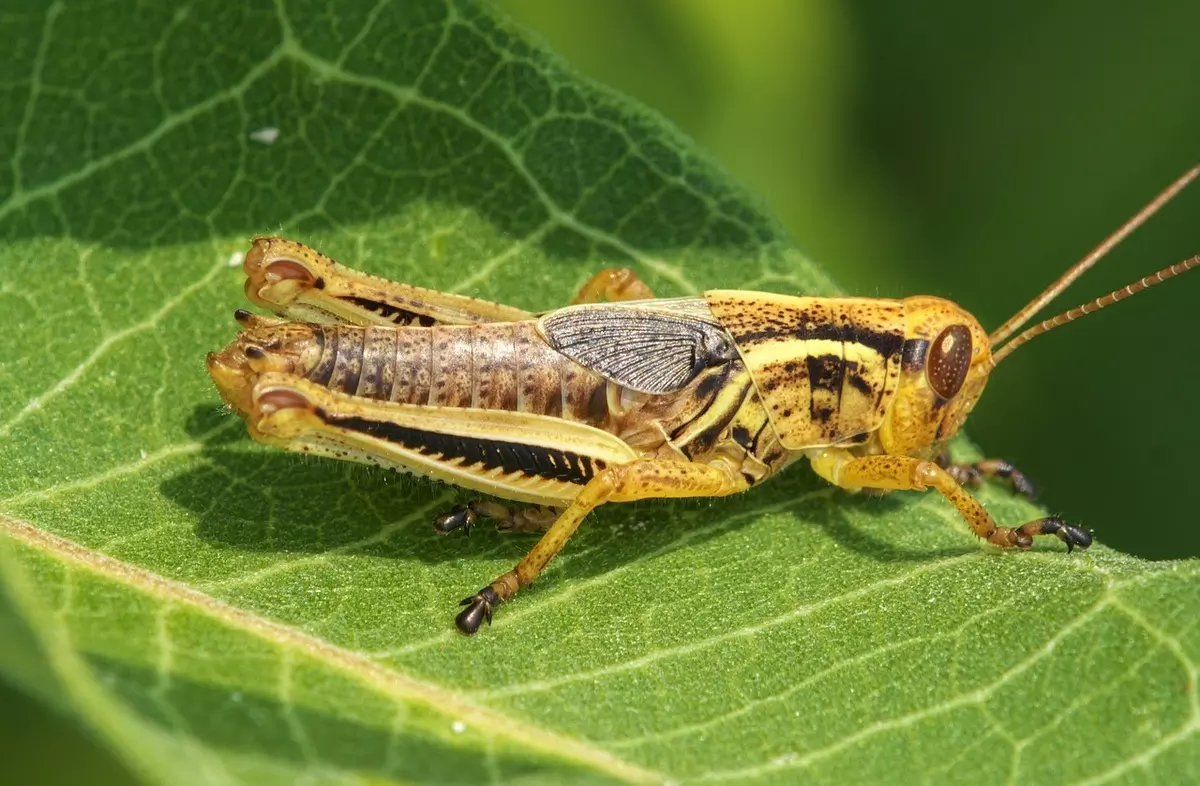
[614,401]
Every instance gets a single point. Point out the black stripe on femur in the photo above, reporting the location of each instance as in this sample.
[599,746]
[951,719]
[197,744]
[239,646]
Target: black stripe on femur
[399,316]
[486,454]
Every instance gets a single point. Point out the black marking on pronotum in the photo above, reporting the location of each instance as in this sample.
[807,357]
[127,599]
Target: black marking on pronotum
[859,383]
[826,372]
[895,364]
[849,372]
[915,350]
[512,457]
[395,314]
[886,343]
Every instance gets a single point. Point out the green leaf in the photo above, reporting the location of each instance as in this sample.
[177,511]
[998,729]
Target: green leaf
[220,612]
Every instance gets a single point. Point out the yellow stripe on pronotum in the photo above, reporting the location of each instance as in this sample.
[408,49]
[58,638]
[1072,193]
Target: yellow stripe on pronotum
[621,396]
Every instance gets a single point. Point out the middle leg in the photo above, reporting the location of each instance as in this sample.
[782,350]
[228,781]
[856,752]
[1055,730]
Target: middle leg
[537,518]
[973,474]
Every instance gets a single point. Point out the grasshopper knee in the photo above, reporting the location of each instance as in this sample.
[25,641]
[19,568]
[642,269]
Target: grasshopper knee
[275,399]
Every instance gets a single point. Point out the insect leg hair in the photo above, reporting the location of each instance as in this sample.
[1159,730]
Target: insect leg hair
[532,519]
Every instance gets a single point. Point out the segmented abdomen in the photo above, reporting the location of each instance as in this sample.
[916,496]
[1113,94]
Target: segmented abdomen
[503,366]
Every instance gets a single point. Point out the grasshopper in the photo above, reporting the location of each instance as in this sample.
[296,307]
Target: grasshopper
[621,396]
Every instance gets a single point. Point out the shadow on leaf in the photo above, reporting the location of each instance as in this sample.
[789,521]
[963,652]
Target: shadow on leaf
[856,536]
[250,498]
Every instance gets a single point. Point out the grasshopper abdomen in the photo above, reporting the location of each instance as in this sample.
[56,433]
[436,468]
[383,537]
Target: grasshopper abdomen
[501,366]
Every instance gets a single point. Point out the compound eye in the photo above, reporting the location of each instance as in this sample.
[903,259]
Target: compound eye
[949,360]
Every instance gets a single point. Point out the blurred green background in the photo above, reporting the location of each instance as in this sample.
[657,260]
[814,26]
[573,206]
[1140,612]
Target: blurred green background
[966,150]
[971,151]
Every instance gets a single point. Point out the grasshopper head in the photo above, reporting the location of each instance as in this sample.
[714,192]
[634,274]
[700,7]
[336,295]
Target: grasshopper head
[946,363]
[947,356]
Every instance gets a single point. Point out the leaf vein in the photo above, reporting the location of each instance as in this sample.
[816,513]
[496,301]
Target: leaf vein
[812,679]
[562,216]
[107,343]
[399,687]
[973,698]
[712,641]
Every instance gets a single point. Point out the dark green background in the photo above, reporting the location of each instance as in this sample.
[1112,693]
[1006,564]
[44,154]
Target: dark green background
[966,150]
[971,151]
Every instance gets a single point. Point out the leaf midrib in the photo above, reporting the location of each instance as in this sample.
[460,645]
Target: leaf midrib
[397,686]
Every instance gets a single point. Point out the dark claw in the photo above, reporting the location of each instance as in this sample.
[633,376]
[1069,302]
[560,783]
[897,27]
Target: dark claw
[1023,485]
[459,517]
[1072,536]
[1077,536]
[242,316]
[479,608]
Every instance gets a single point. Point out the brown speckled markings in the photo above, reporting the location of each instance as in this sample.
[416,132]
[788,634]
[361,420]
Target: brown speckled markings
[503,365]
[826,369]
[540,372]
[376,379]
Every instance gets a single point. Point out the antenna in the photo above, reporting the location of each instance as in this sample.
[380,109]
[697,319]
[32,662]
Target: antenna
[1115,296]
[1082,266]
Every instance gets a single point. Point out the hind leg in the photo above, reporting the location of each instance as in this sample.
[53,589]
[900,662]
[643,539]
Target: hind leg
[301,283]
